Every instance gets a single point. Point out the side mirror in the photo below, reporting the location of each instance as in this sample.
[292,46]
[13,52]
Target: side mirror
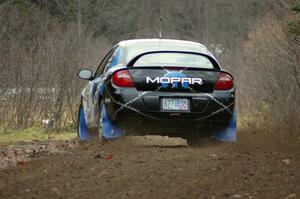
[85,74]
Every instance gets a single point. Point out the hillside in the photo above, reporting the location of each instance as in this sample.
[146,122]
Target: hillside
[49,41]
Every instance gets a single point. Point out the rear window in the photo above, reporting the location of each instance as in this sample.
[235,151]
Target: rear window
[174,59]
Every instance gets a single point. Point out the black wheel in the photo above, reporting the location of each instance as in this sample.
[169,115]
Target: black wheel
[83,132]
[102,139]
[200,135]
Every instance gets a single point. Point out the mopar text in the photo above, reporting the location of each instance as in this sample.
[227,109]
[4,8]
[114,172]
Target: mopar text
[171,80]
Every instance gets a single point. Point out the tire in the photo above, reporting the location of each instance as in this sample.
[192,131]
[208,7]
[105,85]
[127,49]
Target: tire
[201,134]
[192,142]
[206,133]
[84,133]
[102,139]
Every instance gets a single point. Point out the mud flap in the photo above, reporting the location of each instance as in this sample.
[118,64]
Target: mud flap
[109,128]
[83,131]
[228,134]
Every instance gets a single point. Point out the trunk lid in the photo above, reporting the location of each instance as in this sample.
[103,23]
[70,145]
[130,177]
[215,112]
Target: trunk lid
[174,79]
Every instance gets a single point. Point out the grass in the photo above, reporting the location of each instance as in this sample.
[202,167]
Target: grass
[10,137]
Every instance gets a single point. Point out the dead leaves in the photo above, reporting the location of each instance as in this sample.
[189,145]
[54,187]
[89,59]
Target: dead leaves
[109,157]
[21,165]
[104,156]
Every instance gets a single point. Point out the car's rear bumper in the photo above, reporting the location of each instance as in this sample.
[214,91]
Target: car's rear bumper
[129,103]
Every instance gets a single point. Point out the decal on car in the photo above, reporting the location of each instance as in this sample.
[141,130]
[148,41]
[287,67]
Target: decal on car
[174,80]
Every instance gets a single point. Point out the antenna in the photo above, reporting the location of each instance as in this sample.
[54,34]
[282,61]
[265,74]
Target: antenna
[160,30]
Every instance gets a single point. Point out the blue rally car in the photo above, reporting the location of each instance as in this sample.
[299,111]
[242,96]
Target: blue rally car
[158,86]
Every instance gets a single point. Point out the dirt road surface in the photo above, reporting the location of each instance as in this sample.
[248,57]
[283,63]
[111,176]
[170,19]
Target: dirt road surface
[257,166]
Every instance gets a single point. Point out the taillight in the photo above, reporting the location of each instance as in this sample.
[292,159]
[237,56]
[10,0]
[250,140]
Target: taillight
[224,82]
[122,78]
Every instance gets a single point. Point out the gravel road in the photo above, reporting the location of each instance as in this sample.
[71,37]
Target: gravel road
[259,165]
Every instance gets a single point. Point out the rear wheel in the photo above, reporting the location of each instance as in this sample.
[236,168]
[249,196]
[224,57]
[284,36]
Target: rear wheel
[102,139]
[199,135]
[205,133]
[83,132]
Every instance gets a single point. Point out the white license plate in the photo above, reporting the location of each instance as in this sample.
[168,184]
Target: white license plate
[175,104]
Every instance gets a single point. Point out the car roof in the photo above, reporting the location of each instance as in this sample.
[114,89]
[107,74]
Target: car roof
[167,44]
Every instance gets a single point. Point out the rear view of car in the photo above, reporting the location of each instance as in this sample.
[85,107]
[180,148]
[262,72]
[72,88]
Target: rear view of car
[166,84]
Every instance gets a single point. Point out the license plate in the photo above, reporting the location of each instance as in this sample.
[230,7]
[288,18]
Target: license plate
[175,104]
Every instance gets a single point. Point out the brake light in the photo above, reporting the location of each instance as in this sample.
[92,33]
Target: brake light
[224,82]
[122,78]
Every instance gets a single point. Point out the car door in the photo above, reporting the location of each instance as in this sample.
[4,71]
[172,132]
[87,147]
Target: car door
[95,88]
[89,98]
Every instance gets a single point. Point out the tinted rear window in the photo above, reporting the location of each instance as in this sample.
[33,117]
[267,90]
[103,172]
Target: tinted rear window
[174,59]
[136,49]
